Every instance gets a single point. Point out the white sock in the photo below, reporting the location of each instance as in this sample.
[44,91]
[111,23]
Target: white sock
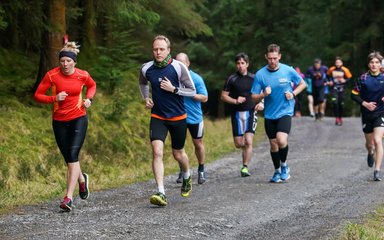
[161,189]
[187,174]
[284,164]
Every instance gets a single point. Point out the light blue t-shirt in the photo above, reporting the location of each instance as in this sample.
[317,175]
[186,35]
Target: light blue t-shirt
[193,107]
[276,105]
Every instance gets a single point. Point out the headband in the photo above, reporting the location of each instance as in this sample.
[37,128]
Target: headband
[68,54]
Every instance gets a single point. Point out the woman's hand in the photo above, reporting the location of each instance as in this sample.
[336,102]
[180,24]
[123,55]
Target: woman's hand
[87,103]
[61,96]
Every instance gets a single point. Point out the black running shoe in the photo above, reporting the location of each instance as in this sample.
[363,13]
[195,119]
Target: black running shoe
[83,187]
[370,160]
[376,176]
[180,178]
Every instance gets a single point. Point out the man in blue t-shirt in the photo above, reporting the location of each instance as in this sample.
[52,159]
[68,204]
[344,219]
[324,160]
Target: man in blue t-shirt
[195,123]
[276,80]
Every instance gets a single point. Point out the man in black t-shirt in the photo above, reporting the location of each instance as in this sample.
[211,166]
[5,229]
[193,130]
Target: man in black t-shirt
[237,92]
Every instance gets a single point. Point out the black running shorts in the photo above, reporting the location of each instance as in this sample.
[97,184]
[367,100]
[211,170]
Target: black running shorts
[318,95]
[196,130]
[177,129]
[372,121]
[272,126]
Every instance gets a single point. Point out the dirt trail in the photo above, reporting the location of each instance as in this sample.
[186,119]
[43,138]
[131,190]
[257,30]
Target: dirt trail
[330,186]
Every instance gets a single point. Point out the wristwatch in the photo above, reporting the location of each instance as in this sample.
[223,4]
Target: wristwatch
[176,90]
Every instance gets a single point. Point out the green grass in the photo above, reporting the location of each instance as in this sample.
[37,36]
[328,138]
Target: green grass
[372,228]
[116,151]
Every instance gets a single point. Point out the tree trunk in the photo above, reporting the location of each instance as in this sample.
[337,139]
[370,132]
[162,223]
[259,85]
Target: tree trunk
[89,23]
[52,40]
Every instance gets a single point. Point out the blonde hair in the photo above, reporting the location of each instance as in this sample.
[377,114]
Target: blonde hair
[71,47]
[162,37]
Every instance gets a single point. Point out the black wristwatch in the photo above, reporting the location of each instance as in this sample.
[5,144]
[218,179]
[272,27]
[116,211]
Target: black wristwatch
[176,90]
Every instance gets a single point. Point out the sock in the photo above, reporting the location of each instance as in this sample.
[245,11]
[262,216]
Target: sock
[161,189]
[187,174]
[284,164]
[245,165]
[283,153]
[201,168]
[275,159]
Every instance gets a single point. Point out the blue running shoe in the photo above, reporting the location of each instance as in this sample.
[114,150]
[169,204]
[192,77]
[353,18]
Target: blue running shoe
[285,173]
[276,177]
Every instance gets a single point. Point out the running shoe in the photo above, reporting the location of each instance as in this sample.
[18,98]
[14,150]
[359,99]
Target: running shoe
[180,178]
[370,160]
[158,199]
[337,121]
[66,204]
[83,187]
[186,188]
[244,172]
[276,178]
[285,173]
[376,176]
[202,177]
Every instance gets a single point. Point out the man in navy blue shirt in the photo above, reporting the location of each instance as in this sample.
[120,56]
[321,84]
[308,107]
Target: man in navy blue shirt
[170,83]
[318,74]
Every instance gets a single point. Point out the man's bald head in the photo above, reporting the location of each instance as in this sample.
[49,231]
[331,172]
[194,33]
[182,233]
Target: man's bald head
[182,57]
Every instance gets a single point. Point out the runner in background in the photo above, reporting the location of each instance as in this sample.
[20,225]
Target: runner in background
[195,121]
[318,75]
[338,77]
[298,98]
[308,81]
[237,93]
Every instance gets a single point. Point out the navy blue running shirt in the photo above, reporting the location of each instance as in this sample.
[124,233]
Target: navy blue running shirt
[167,105]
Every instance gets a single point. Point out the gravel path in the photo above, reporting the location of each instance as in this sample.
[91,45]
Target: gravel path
[330,186]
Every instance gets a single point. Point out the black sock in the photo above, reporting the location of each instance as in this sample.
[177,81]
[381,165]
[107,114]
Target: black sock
[245,165]
[201,168]
[283,153]
[275,159]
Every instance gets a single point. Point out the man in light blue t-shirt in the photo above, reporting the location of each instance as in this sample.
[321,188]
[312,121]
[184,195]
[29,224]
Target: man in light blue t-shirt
[276,80]
[195,121]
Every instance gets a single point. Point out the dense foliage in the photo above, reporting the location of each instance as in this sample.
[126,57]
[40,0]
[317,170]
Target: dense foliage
[116,35]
